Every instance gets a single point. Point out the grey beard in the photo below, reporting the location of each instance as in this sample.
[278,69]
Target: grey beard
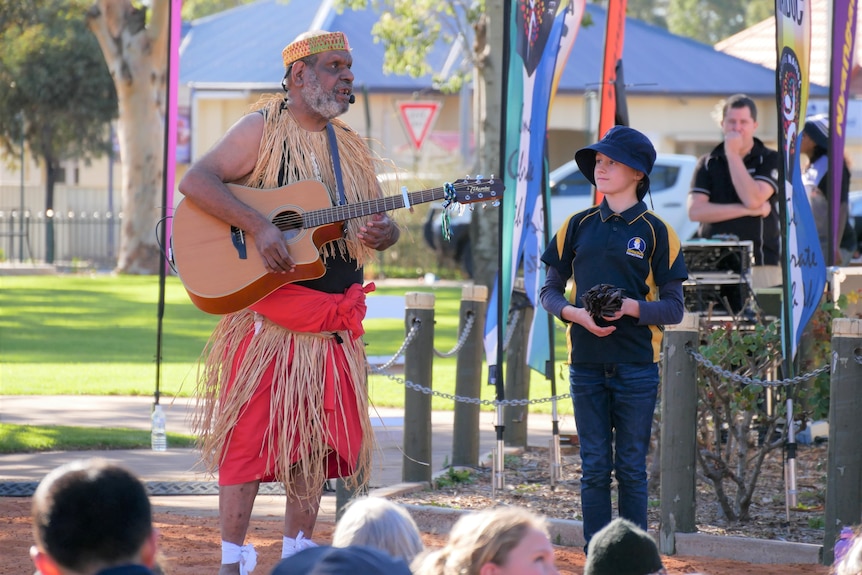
[324,103]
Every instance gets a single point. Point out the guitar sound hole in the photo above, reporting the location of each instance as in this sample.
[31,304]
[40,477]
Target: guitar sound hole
[290,224]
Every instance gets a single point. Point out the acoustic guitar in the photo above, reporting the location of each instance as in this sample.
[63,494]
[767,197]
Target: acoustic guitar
[221,268]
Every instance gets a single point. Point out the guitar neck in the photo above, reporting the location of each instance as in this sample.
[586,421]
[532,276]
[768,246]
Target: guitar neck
[334,214]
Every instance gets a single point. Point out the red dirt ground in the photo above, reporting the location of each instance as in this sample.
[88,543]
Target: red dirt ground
[189,545]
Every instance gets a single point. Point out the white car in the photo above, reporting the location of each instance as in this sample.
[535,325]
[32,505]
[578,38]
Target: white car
[670,181]
[571,192]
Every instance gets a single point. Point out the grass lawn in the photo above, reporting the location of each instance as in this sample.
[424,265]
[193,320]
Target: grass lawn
[31,438]
[97,335]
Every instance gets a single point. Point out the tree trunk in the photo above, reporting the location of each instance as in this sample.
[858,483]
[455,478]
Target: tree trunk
[136,55]
[485,225]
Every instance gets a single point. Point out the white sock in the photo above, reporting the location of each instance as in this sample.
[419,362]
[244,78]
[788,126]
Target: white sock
[291,546]
[245,555]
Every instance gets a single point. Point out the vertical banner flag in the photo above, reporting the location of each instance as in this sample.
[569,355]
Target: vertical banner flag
[536,31]
[540,345]
[614,35]
[844,18]
[804,267]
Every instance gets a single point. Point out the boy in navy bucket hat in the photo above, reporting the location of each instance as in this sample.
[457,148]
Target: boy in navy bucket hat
[613,358]
[621,144]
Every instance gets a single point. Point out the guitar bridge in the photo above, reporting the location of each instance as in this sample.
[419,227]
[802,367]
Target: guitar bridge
[237,237]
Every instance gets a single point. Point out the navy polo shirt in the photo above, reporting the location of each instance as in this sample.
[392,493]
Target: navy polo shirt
[712,177]
[636,251]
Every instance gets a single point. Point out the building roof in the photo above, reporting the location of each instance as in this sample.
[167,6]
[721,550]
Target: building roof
[241,49]
[757,43]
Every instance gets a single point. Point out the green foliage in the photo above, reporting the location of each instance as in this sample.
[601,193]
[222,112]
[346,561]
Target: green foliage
[817,522]
[735,430]
[57,88]
[194,9]
[712,20]
[817,350]
[30,438]
[409,30]
[454,477]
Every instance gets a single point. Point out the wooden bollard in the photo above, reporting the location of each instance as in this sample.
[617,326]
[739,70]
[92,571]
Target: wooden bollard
[468,377]
[517,378]
[418,361]
[844,468]
[678,432]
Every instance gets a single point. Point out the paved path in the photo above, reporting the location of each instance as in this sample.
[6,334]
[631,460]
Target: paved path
[180,465]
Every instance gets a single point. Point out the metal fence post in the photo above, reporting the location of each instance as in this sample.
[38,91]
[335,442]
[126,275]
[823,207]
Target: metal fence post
[844,468]
[678,432]
[418,358]
[468,377]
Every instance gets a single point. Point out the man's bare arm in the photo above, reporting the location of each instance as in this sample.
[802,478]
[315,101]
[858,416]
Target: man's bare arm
[700,209]
[232,158]
[752,193]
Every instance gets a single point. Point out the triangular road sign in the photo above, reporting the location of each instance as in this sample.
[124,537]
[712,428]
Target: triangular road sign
[418,117]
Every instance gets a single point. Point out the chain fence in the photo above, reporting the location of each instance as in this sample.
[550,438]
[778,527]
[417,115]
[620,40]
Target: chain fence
[468,327]
[745,380]
[514,318]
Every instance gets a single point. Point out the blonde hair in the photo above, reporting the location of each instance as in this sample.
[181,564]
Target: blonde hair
[379,523]
[480,538]
[851,563]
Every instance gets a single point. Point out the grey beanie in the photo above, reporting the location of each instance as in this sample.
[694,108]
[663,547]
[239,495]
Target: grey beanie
[622,548]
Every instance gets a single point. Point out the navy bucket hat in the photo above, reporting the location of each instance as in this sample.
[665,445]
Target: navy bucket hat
[624,145]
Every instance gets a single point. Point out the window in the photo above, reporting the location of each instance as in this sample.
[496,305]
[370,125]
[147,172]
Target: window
[663,177]
[575,184]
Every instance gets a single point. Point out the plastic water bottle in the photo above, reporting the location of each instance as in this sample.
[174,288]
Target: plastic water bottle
[158,437]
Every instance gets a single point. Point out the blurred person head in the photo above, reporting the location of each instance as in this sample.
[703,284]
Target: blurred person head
[739,114]
[379,523]
[815,136]
[90,515]
[501,541]
[623,548]
[352,560]
[851,562]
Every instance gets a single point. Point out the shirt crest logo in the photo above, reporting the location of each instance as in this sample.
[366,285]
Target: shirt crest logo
[635,248]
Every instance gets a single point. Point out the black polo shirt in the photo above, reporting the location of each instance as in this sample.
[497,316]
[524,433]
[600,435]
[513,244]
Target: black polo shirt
[712,177]
[635,251]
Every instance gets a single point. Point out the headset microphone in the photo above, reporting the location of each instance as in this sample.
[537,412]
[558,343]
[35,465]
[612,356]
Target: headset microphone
[351,99]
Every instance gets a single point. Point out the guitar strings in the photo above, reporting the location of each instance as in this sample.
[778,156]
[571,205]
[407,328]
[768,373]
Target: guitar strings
[291,220]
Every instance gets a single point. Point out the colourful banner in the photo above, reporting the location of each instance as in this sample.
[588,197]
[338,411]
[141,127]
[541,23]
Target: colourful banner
[534,44]
[804,267]
[614,35]
[844,17]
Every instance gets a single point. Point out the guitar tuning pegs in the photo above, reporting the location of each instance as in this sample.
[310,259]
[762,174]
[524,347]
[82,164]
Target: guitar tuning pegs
[495,204]
[479,177]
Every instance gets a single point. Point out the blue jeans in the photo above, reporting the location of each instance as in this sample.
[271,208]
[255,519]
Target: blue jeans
[614,405]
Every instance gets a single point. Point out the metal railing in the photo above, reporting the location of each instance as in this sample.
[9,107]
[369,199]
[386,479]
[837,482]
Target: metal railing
[80,238]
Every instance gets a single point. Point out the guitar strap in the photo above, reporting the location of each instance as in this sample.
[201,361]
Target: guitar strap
[336,163]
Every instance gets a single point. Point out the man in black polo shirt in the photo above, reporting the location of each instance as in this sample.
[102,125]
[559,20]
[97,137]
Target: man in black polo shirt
[735,190]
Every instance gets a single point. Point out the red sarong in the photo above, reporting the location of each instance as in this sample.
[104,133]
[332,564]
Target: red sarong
[309,404]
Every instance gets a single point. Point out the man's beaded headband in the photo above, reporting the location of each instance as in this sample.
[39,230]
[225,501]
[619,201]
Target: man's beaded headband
[322,42]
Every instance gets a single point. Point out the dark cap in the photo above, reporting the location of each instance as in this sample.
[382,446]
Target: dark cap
[621,144]
[817,128]
[341,561]
[622,548]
